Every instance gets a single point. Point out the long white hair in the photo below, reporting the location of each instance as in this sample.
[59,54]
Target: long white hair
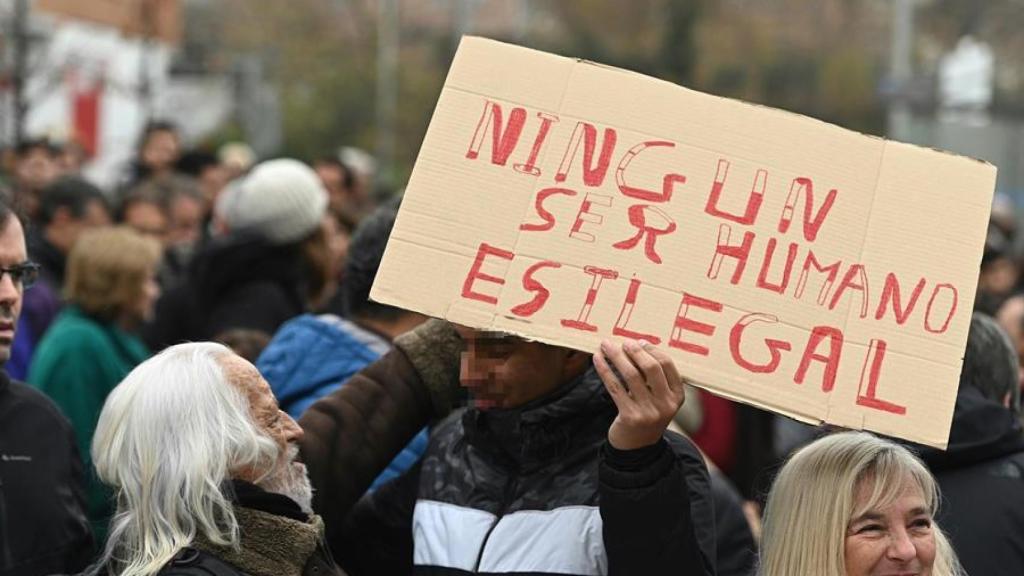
[169,436]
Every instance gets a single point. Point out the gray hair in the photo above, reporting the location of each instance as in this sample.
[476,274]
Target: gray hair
[170,434]
[990,362]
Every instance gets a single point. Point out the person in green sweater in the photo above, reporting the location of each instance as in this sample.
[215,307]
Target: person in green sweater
[110,286]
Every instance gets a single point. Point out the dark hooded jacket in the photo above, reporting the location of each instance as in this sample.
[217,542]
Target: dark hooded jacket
[235,282]
[981,477]
[736,553]
[43,526]
[538,490]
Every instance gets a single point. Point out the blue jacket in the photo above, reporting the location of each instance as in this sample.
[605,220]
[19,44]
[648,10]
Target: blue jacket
[312,356]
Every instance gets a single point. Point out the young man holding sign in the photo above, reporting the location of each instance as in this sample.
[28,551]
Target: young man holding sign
[556,467]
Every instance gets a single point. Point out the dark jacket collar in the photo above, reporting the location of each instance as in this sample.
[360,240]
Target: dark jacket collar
[5,381]
[546,428]
[248,495]
[272,542]
[982,430]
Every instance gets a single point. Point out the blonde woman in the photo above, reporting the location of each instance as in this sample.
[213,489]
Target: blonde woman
[852,504]
[110,288]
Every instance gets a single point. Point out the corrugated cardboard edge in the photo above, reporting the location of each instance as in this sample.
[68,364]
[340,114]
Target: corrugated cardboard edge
[795,115]
[460,313]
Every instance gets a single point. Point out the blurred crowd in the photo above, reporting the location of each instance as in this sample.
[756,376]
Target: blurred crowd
[424,448]
[184,201]
[179,250]
[1001,280]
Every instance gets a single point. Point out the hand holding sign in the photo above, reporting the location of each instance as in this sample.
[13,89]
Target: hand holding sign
[649,397]
[782,261]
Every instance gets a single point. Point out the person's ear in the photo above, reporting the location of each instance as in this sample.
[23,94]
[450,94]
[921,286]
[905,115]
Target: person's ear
[576,363]
[1006,400]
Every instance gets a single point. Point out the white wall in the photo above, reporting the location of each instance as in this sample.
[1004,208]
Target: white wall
[89,51]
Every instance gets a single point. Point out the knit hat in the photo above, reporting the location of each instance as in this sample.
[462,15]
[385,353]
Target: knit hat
[282,200]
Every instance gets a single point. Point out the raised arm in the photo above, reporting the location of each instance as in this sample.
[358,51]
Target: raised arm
[655,491]
[352,434]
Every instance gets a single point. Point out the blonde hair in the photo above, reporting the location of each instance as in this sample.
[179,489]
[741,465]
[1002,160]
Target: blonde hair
[107,270]
[813,500]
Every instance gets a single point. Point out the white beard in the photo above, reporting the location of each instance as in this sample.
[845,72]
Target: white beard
[291,479]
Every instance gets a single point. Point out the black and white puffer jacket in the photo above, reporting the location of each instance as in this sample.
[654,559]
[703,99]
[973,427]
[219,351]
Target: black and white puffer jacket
[538,490]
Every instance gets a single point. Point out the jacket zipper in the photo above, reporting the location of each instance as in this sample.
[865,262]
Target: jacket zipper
[5,546]
[506,501]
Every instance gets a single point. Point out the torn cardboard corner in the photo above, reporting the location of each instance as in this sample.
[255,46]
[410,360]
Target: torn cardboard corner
[782,261]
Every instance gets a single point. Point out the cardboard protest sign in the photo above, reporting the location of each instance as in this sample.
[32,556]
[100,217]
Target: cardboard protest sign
[782,261]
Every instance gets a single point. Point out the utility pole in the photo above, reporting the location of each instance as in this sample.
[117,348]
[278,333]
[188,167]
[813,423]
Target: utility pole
[522,27]
[900,71]
[19,76]
[145,87]
[388,37]
[464,12]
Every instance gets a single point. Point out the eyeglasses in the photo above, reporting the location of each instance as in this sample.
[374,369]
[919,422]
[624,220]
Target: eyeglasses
[24,274]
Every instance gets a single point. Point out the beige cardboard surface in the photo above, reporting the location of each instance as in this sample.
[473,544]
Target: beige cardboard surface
[782,261]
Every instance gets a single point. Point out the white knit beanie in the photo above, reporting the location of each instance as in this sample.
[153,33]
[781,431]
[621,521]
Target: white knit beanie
[282,200]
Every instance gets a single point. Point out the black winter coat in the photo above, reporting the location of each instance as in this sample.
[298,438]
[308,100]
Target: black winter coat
[981,477]
[538,490]
[736,550]
[43,526]
[234,282]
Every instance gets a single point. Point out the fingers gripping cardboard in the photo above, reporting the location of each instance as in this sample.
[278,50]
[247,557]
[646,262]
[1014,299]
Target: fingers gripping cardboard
[782,261]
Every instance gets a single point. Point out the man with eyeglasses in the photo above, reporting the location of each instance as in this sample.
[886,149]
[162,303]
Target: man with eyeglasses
[43,527]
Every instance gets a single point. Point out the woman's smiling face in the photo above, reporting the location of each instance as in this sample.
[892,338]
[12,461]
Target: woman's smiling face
[894,540]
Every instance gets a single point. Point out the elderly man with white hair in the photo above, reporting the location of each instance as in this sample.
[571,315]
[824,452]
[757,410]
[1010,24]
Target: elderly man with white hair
[205,465]
[206,472]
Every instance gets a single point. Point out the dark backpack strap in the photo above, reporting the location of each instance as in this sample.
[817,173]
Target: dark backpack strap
[193,562]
